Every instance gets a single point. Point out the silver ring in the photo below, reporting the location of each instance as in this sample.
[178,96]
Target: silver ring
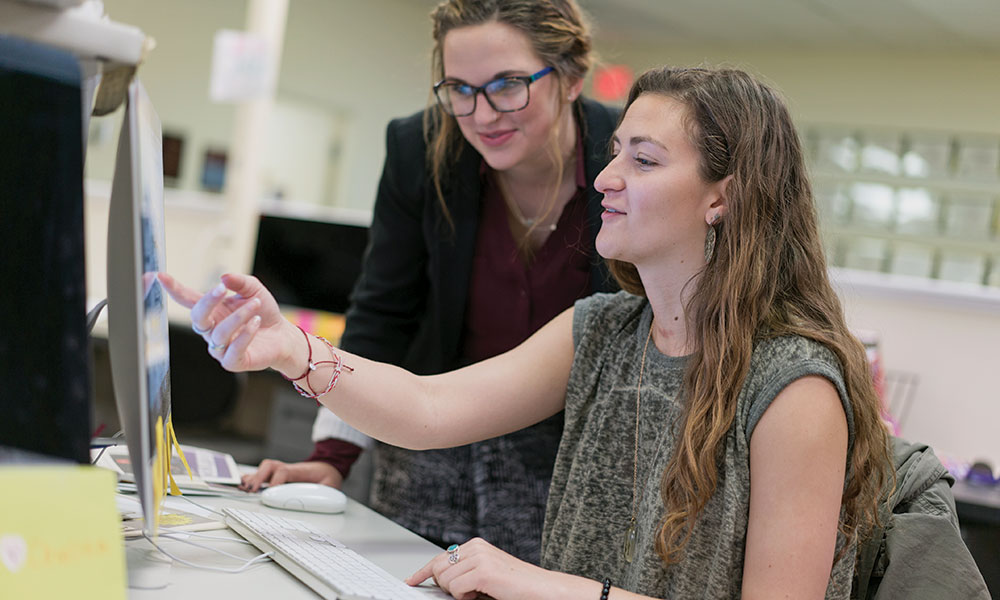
[453,554]
[199,331]
[214,347]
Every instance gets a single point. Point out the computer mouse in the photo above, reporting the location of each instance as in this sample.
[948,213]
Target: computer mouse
[309,497]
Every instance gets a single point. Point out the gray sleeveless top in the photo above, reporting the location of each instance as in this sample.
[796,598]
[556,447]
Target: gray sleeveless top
[590,500]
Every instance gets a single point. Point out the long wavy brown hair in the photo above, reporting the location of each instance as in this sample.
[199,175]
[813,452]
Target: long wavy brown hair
[766,278]
[560,36]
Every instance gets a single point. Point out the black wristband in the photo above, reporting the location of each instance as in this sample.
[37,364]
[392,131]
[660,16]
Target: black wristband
[607,589]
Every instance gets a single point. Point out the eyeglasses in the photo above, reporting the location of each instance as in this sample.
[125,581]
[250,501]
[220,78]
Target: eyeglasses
[506,94]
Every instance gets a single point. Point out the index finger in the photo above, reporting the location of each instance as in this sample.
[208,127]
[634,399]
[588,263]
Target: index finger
[422,574]
[181,294]
[263,473]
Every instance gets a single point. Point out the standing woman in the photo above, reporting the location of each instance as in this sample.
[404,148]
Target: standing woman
[483,231]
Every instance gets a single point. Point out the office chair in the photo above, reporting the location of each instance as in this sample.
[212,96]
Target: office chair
[202,392]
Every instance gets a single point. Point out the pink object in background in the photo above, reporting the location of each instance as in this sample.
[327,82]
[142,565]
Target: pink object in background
[612,82]
[317,322]
[871,340]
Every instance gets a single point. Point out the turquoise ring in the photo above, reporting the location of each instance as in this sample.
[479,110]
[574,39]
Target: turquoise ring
[453,553]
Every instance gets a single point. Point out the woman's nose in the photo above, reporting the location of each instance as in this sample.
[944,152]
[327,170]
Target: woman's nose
[608,180]
[484,112]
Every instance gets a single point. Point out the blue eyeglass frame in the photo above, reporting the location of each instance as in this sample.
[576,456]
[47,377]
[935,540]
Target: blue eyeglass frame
[527,79]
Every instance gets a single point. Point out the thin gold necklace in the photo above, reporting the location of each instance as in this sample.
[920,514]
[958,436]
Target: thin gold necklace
[628,549]
[525,221]
[515,210]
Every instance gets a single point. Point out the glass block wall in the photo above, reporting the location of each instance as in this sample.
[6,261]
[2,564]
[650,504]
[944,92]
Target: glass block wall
[914,203]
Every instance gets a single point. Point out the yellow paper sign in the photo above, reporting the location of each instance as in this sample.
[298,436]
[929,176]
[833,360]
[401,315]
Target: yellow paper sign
[60,533]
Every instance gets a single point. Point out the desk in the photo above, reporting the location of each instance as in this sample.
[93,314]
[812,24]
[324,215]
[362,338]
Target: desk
[394,548]
[977,503]
[979,516]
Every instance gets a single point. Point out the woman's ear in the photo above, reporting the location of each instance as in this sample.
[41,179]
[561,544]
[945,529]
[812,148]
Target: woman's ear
[719,207]
[574,90]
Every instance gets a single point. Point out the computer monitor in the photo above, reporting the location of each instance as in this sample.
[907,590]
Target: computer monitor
[45,375]
[138,342]
[310,263]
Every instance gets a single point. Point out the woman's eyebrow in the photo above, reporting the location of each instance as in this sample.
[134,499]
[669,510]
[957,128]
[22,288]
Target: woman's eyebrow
[507,73]
[499,75]
[638,139]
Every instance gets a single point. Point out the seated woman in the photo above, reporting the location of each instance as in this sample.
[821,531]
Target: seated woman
[722,436]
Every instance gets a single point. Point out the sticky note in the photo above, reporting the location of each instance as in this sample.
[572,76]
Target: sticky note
[60,533]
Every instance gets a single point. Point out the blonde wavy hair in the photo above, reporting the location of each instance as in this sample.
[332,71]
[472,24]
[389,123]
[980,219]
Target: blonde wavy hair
[766,278]
[560,36]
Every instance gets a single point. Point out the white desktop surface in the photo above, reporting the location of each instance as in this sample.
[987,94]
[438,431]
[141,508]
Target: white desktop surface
[390,546]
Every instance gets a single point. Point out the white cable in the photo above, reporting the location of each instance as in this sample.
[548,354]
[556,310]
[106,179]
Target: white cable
[99,455]
[211,510]
[167,534]
[105,448]
[246,565]
[202,546]
[171,537]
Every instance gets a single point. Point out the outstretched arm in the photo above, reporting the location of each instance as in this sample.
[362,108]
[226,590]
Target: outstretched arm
[245,331]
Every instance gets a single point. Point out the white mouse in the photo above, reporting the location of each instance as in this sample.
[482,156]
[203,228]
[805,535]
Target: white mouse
[310,497]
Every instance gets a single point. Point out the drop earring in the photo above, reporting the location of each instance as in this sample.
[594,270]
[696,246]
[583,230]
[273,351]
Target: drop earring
[710,238]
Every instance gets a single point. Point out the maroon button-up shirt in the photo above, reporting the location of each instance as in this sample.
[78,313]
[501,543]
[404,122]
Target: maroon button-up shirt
[510,299]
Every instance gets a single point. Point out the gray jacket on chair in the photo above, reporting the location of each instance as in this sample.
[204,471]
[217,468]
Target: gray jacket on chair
[919,553]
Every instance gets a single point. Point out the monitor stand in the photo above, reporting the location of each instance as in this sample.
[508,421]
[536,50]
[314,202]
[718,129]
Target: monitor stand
[148,568]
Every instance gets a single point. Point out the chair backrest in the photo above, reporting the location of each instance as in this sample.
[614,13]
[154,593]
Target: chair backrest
[918,551]
[202,391]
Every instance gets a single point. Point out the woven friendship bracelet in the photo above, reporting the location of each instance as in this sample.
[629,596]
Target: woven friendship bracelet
[338,368]
[307,391]
[309,361]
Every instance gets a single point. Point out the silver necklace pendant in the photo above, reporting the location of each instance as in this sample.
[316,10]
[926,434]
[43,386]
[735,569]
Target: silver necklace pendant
[628,549]
[529,223]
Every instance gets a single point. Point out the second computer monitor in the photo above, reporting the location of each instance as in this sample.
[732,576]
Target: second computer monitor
[309,263]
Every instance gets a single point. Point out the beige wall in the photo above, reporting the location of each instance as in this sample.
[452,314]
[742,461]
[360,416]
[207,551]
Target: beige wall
[361,63]
[367,61]
[954,349]
[176,75]
[955,92]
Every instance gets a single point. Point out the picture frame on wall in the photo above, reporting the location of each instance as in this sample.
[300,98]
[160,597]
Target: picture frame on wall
[213,170]
[173,154]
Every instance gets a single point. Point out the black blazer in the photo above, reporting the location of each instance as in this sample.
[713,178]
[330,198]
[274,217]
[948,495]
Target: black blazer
[408,306]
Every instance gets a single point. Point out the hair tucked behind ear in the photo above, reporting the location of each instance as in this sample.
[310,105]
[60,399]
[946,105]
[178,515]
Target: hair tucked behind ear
[560,36]
[766,278]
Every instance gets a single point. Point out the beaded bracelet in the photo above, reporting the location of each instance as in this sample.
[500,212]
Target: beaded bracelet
[607,589]
[338,368]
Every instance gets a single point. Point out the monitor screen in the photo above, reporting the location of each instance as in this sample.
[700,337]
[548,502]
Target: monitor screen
[309,263]
[45,377]
[138,341]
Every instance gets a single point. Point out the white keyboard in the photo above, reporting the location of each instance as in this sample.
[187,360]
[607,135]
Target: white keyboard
[321,562]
